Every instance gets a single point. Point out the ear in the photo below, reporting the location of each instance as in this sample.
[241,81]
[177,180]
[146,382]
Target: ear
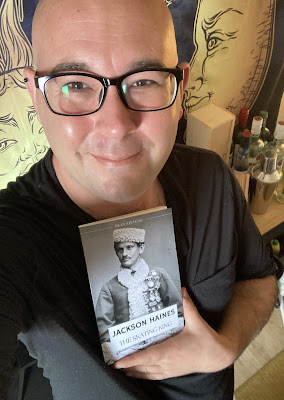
[29,75]
[141,248]
[186,71]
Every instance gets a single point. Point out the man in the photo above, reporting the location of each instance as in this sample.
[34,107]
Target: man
[112,153]
[134,292]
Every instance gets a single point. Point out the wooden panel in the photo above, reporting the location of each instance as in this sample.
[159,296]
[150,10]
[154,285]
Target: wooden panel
[211,127]
[262,349]
[273,217]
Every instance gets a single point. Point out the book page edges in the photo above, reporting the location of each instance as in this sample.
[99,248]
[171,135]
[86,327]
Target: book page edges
[149,210]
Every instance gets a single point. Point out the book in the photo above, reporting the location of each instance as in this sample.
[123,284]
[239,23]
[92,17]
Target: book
[134,278]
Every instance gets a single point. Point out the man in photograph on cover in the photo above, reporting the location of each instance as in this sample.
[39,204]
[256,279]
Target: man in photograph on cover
[136,290]
[108,88]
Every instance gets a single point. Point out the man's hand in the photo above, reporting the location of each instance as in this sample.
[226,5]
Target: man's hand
[197,348]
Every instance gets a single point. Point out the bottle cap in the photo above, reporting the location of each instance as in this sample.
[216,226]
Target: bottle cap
[244,110]
[245,140]
[243,117]
[279,130]
[263,114]
[256,125]
[275,246]
[268,162]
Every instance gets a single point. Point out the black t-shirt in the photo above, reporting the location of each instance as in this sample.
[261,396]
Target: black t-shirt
[44,290]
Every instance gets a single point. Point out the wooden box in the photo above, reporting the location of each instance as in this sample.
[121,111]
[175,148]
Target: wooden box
[211,127]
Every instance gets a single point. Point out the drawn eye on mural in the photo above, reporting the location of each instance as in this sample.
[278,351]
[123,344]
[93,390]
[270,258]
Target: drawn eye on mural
[22,140]
[233,47]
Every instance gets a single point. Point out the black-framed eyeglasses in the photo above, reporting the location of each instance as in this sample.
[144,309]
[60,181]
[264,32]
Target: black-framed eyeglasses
[77,94]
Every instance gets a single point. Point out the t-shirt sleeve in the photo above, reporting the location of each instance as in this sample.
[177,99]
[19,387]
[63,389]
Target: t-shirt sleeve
[253,259]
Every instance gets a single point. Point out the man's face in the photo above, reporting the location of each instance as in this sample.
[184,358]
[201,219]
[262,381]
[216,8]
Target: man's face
[128,253]
[114,154]
[232,48]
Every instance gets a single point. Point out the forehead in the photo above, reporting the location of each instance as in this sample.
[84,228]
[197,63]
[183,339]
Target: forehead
[122,245]
[106,40]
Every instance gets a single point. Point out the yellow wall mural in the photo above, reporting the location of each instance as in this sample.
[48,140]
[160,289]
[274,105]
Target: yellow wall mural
[233,46]
[228,43]
[22,140]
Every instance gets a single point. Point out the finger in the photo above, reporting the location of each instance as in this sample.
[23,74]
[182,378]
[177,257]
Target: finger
[142,375]
[140,358]
[191,315]
[145,369]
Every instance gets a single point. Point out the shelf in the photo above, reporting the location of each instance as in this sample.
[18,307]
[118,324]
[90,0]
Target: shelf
[271,224]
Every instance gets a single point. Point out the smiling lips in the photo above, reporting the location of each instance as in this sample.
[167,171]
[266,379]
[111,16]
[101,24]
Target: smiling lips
[116,162]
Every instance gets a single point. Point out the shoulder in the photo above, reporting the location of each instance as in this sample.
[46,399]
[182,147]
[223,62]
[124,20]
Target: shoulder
[110,285]
[191,155]
[197,174]
[30,183]
[191,166]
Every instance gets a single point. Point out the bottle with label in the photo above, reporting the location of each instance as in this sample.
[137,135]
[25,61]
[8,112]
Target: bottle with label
[265,135]
[275,245]
[256,144]
[277,145]
[279,191]
[263,182]
[239,129]
[241,163]
[241,125]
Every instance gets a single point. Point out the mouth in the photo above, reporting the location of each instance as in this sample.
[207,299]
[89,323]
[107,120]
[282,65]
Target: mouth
[110,161]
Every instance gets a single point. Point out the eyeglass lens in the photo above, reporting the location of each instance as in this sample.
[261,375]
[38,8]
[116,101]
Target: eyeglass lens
[142,91]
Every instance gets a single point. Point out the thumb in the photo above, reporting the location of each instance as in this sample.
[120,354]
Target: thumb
[191,315]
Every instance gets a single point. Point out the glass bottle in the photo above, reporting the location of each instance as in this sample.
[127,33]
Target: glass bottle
[241,161]
[277,144]
[265,134]
[239,129]
[279,191]
[256,144]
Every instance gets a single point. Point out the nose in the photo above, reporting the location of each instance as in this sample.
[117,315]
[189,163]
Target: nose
[114,119]
[125,252]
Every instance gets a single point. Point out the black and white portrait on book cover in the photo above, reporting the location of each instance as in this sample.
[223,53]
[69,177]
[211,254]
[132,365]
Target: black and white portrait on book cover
[134,277]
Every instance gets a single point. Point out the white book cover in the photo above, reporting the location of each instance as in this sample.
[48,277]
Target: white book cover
[134,278]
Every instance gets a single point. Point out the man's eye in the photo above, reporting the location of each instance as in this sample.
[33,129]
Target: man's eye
[73,86]
[144,83]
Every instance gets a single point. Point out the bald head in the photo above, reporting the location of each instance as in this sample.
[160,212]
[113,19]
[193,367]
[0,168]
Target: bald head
[115,24]
[115,153]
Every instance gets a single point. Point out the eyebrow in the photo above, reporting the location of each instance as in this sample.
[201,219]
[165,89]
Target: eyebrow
[83,67]
[70,66]
[8,120]
[210,22]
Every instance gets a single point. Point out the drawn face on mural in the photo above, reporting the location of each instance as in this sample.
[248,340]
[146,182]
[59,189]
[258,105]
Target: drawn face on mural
[22,141]
[18,149]
[233,48]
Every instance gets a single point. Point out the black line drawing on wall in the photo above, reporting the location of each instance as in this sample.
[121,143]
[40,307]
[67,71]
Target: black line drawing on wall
[233,48]
[22,139]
